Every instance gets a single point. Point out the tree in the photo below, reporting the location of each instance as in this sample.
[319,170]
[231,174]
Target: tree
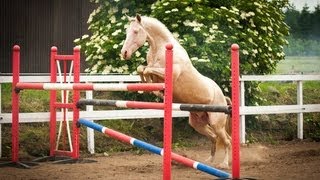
[291,18]
[257,26]
[316,23]
[305,23]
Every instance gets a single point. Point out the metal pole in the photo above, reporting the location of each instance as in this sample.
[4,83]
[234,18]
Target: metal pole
[76,97]
[167,129]
[15,104]
[235,111]
[154,149]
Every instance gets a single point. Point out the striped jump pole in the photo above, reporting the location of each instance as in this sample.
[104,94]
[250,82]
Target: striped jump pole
[154,105]
[154,149]
[92,86]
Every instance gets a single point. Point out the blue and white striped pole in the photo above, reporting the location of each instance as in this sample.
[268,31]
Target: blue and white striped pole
[154,149]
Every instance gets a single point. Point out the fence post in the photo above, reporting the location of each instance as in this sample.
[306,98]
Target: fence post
[242,117]
[0,124]
[15,104]
[300,115]
[53,99]
[90,132]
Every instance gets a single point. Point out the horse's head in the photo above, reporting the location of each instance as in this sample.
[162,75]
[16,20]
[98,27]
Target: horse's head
[136,37]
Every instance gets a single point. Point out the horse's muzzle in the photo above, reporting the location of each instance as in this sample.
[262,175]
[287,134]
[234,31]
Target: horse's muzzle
[125,54]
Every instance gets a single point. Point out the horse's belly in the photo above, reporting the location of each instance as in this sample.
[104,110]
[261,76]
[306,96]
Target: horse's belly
[191,94]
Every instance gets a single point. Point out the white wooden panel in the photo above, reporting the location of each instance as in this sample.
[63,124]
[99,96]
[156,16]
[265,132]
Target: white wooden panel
[93,115]
[83,78]
[280,78]
[279,109]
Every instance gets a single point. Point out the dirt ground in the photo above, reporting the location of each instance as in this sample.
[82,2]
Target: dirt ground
[286,160]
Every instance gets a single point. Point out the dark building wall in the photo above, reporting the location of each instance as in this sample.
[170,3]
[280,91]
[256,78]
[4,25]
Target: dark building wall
[36,25]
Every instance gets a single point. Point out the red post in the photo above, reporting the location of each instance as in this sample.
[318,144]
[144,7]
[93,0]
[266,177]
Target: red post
[64,100]
[235,111]
[76,97]
[15,103]
[167,130]
[53,99]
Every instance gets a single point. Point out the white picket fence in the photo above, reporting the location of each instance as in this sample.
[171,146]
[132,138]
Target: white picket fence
[300,108]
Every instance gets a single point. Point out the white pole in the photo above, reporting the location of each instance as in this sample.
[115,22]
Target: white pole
[0,124]
[242,117]
[300,115]
[90,132]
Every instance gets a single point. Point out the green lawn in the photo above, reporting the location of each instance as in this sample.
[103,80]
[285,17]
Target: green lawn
[297,64]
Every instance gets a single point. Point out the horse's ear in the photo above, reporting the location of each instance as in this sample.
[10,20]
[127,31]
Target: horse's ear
[138,17]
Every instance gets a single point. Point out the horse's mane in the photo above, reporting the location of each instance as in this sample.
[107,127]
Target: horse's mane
[156,26]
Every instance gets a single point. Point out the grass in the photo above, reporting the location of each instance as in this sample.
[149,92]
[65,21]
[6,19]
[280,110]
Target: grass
[299,65]
[269,128]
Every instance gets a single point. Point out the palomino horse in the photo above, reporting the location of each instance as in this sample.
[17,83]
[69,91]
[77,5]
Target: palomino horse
[189,86]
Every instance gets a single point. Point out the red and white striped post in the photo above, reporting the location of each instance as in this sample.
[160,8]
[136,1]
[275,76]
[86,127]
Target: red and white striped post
[235,111]
[167,129]
[15,104]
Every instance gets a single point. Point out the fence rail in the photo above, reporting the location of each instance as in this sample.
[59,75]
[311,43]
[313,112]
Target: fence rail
[299,108]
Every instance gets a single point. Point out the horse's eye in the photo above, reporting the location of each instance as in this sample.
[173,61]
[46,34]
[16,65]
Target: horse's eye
[136,30]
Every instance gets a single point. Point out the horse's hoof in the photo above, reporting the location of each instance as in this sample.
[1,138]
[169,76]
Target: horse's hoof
[210,159]
[223,166]
[140,69]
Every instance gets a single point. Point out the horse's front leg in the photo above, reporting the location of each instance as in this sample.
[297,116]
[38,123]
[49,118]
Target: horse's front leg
[157,75]
[140,70]
[145,77]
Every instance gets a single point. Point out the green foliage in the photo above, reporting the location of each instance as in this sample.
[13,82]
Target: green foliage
[205,28]
[207,34]
[313,127]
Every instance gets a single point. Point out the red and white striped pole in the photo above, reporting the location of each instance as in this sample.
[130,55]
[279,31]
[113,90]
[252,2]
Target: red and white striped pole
[235,111]
[15,104]
[167,129]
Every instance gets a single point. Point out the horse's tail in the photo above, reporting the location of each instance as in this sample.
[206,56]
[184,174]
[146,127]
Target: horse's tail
[227,126]
[228,123]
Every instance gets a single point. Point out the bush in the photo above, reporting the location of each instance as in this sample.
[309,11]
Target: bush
[258,28]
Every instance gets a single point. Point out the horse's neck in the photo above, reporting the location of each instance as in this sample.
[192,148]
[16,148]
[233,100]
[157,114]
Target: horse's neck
[158,35]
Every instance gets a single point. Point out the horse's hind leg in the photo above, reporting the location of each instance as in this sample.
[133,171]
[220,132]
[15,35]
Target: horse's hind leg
[217,122]
[200,124]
